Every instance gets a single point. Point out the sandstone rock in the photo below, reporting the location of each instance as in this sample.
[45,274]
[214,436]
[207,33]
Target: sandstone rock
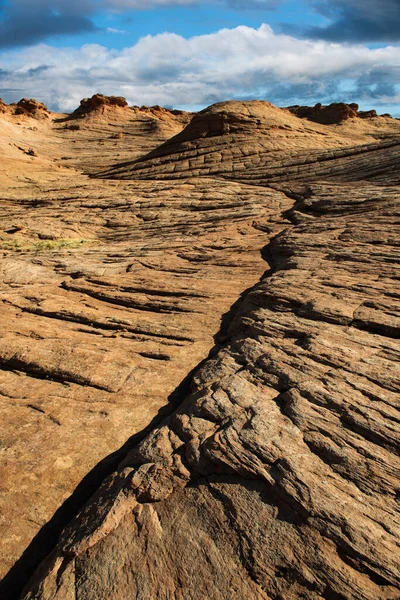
[99,102]
[273,470]
[161,110]
[328,115]
[369,114]
[31,107]
[277,476]
[110,295]
[258,143]
[334,113]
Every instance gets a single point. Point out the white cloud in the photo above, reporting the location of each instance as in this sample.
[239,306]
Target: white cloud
[168,69]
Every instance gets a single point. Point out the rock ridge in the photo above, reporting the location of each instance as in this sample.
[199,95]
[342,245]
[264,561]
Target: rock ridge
[258,142]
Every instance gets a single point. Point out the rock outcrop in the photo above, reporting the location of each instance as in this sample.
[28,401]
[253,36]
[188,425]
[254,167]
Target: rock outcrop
[370,114]
[27,107]
[333,113]
[327,115]
[31,108]
[259,143]
[273,471]
[98,102]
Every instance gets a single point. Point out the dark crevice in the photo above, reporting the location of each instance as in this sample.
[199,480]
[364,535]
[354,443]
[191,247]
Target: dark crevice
[155,355]
[37,408]
[72,318]
[150,291]
[46,539]
[377,328]
[37,372]
[129,303]
[351,559]
[330,594]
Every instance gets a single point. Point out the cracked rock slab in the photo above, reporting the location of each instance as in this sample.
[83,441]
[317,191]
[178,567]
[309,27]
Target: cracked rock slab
[275,474]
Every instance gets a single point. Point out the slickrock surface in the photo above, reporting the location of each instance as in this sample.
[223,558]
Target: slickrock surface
[43,144]
[111,294]
[276,475]
[261,143]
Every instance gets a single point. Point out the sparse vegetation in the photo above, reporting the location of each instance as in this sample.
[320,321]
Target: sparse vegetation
[29,245]
[73,127]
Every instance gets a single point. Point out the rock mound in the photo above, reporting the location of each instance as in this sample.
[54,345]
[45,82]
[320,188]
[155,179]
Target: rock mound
[28,107]
[336,112]
[162,120]
[221,133]
[31,107]
[256,141]
[232,118]
[158,122]
[371,114]
[98,103]
[161,111]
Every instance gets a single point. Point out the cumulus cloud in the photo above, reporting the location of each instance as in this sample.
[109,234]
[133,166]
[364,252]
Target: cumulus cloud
[357,20]
[170,70]
[25,22]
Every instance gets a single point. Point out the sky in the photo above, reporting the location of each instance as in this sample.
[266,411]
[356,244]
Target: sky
[192,53]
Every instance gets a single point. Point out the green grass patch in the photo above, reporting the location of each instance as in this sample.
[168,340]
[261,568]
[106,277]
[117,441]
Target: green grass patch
[26,245]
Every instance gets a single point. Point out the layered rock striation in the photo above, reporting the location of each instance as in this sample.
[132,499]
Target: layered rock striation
[274,473]
[259,143]
[111,294]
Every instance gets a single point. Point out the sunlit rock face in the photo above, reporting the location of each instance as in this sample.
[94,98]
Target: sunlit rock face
[226,281]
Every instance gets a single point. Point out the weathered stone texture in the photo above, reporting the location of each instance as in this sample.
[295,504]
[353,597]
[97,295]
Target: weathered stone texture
[276,473]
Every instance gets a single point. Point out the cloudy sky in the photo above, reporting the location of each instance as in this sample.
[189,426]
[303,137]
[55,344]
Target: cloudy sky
[191,53]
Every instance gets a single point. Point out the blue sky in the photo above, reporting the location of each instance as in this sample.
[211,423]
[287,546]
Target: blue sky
[187,21]
[191,53]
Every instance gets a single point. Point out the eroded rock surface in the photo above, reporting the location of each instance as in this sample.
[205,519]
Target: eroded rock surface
[99,102]
[276,476]
[111,294]
[259,143]
[336,112]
